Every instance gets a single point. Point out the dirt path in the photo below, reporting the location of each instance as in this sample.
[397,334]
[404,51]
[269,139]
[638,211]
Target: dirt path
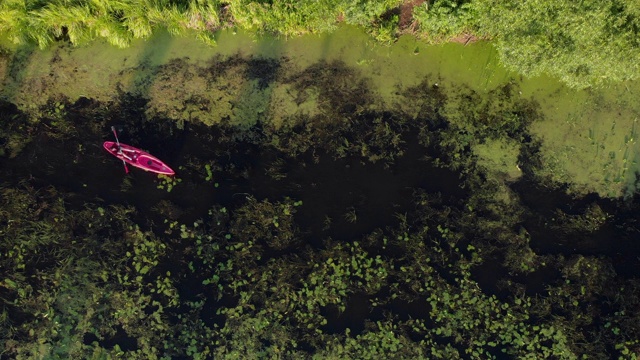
[407,24]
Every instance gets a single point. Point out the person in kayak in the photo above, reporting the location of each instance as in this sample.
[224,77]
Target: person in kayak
[118,150]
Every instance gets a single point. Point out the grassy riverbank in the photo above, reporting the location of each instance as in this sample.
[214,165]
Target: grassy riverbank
[584,44]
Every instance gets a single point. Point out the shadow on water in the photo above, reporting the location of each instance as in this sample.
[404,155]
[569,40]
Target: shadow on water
[616,238]
[121,338]
[343,199]
[15,71]
[353,317]
[154,51]
[348,198]
[78,167]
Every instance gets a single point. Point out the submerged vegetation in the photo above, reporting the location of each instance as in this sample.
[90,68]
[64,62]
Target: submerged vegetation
[341,227]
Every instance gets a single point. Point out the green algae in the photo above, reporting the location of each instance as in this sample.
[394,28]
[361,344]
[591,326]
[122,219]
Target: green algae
[97,69]
[587,137]
[501,157]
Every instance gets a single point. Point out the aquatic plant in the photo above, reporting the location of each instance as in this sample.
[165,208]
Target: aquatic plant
[167,182]
[266,223]
[184,100]
[207,168]
[351,215]
[15,130]
[384,338]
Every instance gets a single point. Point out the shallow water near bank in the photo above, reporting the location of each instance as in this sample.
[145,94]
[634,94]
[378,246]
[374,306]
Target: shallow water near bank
[588,137]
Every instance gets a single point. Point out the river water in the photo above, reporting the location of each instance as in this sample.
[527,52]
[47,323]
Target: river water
[587,139]
[236,110]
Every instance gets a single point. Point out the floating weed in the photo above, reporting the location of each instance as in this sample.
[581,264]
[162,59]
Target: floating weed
[172,225]
[126,184]
[268,223]
[207,168]
[168,182]
[186,233]
[326,224]
[351,215]
[209,174]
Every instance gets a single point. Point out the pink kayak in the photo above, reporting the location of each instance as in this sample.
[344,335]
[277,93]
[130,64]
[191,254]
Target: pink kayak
[138,158]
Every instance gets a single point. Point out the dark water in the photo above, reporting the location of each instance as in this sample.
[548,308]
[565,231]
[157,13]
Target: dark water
[618,238]
[80,169]
[77,166]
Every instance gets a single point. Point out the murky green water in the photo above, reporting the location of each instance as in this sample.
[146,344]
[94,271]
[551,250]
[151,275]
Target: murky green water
[588,138]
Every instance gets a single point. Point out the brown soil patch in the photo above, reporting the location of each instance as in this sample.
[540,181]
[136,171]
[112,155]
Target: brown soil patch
[406,23]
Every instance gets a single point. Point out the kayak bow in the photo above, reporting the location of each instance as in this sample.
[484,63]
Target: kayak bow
[138,158]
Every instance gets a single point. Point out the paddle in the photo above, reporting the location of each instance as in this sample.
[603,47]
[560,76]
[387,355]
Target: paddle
[126,169]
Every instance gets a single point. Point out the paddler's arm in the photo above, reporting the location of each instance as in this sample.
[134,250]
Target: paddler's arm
[120,152]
